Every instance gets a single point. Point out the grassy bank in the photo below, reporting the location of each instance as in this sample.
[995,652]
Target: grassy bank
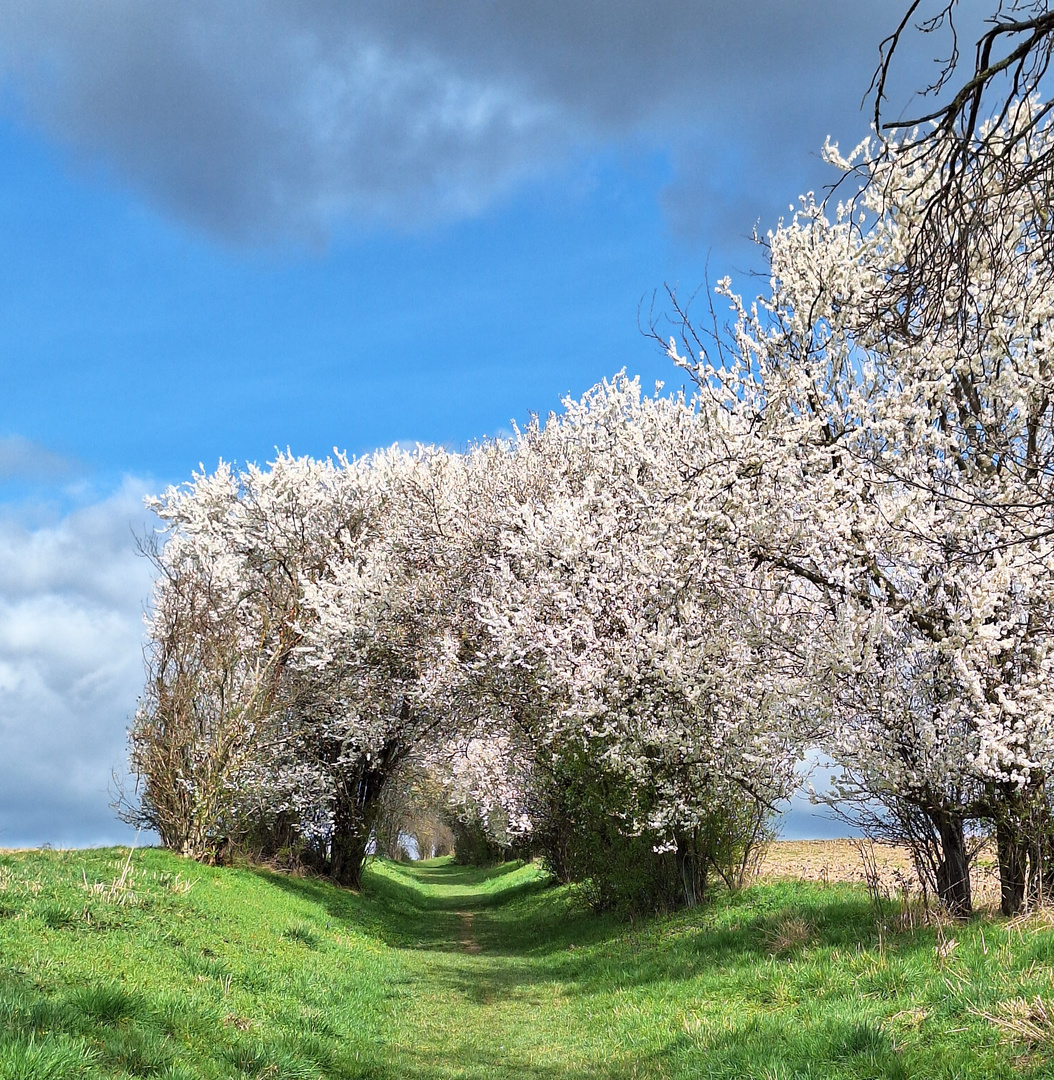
[437,971]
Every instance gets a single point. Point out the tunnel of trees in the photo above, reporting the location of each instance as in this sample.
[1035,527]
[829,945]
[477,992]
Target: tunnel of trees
[608,639]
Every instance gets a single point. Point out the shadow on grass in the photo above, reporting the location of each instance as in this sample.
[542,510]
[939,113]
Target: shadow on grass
[743,931]
[389,914]
[532,920]
[464,887]
[342,905]
[529,943]
[445,871]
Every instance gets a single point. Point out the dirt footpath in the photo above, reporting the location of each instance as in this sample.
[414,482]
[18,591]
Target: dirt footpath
[468,935]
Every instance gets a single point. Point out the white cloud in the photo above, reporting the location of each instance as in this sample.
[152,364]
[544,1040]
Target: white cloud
[72,596]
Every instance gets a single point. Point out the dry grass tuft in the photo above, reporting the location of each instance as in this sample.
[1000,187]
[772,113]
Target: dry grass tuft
[178,884]
[1035,919]
[1030,1021]
[904,1025]
[945,946]
[119,891]
[790,932]
[909,1019]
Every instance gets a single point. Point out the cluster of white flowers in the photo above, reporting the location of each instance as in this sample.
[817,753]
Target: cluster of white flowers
[641,640]
[554,589]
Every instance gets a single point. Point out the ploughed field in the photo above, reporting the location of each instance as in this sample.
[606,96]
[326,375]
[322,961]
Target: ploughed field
[149,965]
[887,869]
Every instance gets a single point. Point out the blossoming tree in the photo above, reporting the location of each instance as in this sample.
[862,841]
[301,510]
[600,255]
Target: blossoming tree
[901,473]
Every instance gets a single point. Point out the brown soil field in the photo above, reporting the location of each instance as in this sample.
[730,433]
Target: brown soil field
[844,861]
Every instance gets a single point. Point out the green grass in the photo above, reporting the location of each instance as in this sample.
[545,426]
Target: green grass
[192,972]
[440,884]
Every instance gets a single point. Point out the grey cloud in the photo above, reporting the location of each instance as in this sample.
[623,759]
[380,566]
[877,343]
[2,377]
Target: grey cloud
[22,459]
[91,553]
[264,121]
[802,819]
[71,603]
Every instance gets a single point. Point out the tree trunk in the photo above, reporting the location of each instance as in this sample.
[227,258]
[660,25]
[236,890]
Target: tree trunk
[1012,852]
[357,803]
[691,867]
[1040,851]
[347,853]
[953,871]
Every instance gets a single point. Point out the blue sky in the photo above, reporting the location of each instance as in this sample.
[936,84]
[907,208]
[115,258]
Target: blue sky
[230,229]
[172,350]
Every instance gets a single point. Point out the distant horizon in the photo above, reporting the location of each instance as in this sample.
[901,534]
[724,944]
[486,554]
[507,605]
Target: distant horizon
[795,823]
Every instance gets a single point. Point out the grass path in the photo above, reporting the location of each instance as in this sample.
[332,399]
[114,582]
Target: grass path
[481,1005]
[787,980]
[438,972]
